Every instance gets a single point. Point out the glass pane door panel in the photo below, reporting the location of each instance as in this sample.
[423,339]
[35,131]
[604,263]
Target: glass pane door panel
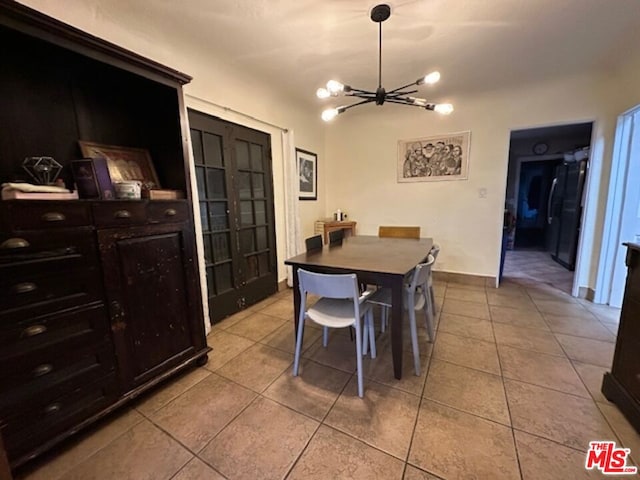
[208,253]
[219,216]
[247,241]
[258,185]
[244,185]
[261,238]
[261,212]
[263,263]
[213,150]
[242,155]
[200,182]
[204,217]
[221,247]
[256,157]
[215,183]
[196,143]
[246,213]
[211,284]
[252,267]
[224,278]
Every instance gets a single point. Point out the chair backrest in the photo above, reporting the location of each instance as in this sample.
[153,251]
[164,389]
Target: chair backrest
[421,273]
[314,243]
[435,250]
[398,232]
[328,285]
[336,236]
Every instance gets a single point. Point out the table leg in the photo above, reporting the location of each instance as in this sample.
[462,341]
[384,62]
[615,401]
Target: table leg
[396,327]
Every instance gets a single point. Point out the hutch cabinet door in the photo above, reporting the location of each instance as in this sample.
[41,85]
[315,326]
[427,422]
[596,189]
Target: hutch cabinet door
[146,273]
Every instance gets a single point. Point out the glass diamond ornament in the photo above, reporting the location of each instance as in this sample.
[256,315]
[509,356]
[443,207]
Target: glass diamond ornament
[44,170]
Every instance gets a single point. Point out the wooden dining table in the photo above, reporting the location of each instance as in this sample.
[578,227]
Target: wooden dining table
[376,261]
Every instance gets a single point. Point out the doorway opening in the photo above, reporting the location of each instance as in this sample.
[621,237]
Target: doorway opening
[622,220]
[543,203]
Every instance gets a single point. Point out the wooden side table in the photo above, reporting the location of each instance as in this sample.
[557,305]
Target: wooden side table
[323,227]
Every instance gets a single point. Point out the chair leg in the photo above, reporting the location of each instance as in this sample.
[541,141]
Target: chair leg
[433,300]
[370,330]
[414,339]
[359,358]
[296,361]
[325,336]
[429,317]
[384,315]
[365,342]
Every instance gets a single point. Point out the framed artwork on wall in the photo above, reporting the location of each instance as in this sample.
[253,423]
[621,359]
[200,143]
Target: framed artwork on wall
[440,157]
[308,174]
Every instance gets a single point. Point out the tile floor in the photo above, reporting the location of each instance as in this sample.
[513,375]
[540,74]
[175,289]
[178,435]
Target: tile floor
[538,266]
[509,390]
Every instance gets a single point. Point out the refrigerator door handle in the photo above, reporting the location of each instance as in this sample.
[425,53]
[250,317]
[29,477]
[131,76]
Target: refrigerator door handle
[553,189]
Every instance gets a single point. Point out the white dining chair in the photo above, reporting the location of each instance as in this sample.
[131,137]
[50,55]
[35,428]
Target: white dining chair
[341,305]
[416,294]
[435,250]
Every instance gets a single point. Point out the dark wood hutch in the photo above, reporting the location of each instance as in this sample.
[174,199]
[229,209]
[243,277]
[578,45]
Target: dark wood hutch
[99,300]
[622,384]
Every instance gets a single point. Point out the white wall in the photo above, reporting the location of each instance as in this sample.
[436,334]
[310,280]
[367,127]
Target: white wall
[362,152]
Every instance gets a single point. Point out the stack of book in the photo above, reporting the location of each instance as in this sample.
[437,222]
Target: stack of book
[28,191]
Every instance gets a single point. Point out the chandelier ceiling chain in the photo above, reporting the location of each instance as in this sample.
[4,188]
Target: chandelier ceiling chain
[400,95]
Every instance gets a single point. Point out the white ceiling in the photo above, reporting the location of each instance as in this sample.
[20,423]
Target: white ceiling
[475,44]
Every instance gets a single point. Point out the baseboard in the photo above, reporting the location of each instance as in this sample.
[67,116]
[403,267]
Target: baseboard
[282,285]
[587,293]
[464,279]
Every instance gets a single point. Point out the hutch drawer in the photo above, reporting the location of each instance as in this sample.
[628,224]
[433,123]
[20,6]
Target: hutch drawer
[35,332]
[51,373]
[48,291]
[38,246]
[33,214]
[120,214]
[167,211]
[31,427]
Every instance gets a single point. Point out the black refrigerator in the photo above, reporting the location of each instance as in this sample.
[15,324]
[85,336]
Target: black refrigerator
[565,211]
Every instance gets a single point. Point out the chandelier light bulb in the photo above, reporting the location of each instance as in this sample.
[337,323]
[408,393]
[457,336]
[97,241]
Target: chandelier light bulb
[323,93]
[443,108]
[334,87]
[431,78]
[329,114]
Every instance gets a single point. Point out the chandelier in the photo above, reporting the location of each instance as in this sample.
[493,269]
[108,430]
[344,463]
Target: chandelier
[400,95]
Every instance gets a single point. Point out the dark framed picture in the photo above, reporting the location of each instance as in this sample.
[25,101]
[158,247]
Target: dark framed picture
[125,163]
[308,174]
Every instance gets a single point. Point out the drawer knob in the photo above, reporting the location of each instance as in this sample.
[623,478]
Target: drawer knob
[42,369]
[34,330]
[170,212]
[24,287]
[12,243]
[122,214]
[54,217]
[52,408]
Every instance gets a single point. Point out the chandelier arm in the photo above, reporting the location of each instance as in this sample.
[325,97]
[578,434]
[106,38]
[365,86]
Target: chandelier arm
[358,90]
[403,87]
[398,94]
[347,107]
[404,101]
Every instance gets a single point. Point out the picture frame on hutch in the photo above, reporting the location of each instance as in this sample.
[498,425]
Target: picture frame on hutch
[125,163]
